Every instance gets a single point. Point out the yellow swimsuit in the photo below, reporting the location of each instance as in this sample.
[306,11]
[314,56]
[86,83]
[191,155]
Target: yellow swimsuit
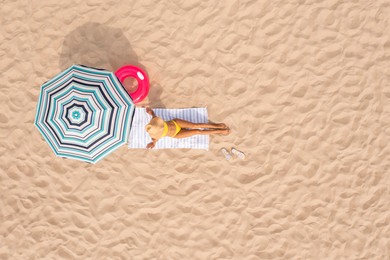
[178,128]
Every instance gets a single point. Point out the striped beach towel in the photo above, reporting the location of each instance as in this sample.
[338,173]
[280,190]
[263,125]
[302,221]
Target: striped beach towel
[139,138]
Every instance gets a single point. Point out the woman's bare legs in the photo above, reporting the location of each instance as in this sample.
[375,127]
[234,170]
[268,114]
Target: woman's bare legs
[190,125]
[190,132]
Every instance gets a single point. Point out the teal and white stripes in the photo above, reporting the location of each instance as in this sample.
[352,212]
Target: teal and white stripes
[84,113]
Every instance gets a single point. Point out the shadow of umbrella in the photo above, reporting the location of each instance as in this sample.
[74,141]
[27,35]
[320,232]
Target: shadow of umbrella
[99,46]
[155,95]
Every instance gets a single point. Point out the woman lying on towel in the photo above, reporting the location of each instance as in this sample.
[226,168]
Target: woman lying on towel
[178,128]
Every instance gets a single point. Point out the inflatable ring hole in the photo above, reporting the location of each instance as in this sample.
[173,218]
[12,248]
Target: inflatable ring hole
[130,84]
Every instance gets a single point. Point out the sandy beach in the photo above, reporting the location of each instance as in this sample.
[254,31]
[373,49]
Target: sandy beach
[304,86]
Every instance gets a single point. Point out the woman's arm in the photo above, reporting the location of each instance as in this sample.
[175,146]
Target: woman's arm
[150,112]
[152,144]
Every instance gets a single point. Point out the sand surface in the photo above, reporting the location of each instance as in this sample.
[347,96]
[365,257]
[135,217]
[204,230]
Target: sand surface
[304,86]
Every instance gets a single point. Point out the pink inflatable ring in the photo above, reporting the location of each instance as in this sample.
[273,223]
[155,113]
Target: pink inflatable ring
[143,81]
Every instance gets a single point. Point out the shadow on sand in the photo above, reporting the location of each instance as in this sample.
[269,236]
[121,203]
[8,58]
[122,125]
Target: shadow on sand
[97,45]
[101,46]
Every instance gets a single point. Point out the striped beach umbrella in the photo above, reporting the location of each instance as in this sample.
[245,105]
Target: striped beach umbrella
[84,113]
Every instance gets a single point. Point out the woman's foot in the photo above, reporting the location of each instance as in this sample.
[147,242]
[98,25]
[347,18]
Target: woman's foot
[224,131]
[219,126]
[222,126]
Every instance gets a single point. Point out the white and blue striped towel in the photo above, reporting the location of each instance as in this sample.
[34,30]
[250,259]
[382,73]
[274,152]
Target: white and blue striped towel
[139,138]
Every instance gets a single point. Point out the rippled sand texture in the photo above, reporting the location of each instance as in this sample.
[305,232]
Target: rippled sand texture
[304,86]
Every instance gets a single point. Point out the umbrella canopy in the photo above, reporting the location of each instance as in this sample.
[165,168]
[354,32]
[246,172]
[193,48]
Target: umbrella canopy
[84,113]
